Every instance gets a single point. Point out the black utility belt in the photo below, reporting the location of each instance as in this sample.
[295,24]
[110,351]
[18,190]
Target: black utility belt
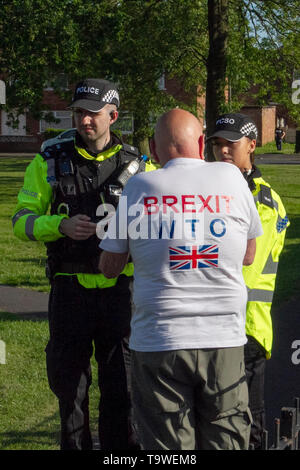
[77,268]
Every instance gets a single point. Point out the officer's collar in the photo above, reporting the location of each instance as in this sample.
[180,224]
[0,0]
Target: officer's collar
[255,173]
[111,148]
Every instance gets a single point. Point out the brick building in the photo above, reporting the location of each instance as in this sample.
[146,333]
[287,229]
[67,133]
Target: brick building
[28,135]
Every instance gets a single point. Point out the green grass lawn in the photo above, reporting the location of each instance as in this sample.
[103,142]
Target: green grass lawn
[29,417]
[285,179]
[28,410]
[270,147]
[21,263]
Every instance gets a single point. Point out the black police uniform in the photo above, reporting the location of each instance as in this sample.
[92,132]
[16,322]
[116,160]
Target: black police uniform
[81,317]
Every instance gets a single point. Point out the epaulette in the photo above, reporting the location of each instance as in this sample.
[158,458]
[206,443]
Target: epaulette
[58,157]
[265,196]
[129,149]
[129,152]
[56,150]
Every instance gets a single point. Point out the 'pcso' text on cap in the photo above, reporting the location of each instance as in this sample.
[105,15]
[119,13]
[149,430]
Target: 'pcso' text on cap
[233,127]
[93,93]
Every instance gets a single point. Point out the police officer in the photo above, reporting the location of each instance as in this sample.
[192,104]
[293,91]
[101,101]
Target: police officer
[75,179]
[234,141]
[279,136]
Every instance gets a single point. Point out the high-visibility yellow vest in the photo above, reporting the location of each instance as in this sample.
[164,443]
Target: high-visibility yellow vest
[31,220]
[260,277]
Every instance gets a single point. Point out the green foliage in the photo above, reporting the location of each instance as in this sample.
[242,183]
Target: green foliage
[50,133]
[136,41]
[43,29]
[271,148]
[152,39]
[264,53]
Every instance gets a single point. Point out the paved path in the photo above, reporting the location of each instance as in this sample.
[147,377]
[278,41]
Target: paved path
[283,369]
[24,302]
[277,159]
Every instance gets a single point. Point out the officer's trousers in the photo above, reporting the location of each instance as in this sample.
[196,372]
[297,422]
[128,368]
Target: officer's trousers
[79,319]
[255,362]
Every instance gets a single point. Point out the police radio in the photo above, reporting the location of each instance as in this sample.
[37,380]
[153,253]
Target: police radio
[129,169]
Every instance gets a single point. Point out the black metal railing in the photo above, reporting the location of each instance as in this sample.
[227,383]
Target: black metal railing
[286,429]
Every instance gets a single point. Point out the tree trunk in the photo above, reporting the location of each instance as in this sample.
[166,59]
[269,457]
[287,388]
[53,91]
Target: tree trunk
[143,146]
[140,138]
[216,64]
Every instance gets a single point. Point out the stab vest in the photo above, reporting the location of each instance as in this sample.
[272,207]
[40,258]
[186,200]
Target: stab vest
[80,186]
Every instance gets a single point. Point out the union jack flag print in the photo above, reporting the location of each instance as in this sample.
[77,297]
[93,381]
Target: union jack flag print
[193,257]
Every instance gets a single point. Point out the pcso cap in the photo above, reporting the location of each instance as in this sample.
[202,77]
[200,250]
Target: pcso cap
[233,127]
[93,94]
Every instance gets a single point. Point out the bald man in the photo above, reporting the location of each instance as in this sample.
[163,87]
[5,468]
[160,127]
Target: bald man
[188,229]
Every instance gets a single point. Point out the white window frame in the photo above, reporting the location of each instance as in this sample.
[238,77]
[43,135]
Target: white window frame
[128,126]
[9,130]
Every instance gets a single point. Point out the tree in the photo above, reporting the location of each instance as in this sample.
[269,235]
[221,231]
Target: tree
[122,40]
[221,47]
[41,39]
[251,43]
[29,49]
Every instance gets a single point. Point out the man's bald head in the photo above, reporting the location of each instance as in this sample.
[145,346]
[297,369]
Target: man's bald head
[178,134]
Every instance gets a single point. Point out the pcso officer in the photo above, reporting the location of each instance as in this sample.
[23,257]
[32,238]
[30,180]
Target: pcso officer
[234,141]
[74,178]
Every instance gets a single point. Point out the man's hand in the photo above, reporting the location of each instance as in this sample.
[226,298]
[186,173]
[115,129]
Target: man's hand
[78,227]
[112,264]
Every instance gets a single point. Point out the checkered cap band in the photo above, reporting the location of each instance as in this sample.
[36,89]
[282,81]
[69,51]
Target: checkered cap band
[110,95]
[248,128]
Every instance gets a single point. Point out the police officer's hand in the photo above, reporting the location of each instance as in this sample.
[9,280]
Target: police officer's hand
[78,227]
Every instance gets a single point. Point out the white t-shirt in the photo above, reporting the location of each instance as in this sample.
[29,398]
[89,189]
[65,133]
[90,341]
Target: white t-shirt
[186,227]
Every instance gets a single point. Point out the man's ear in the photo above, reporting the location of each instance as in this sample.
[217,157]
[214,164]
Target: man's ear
[201,146]
[153,149]
[252,145]
[113,116]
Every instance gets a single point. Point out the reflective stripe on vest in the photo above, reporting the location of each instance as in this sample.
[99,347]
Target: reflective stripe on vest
[20,214]
[29,225]
[270,266]
[260,295]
